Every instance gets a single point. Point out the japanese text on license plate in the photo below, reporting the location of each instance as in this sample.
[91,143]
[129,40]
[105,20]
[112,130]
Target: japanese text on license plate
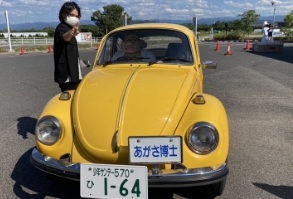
[155,149]
[113,181]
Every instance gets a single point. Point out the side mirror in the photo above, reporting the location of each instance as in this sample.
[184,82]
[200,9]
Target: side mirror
[84,63]
[209,64]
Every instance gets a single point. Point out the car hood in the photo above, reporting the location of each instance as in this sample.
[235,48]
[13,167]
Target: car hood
[112,104]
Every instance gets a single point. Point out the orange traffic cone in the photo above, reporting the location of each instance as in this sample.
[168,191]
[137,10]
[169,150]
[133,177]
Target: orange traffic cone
[50,49]
[229,52]
[247,45]
[98,46]
[22,50]
[218,46]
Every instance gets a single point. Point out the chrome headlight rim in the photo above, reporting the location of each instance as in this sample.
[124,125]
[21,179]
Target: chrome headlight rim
[56,122]
[199,125]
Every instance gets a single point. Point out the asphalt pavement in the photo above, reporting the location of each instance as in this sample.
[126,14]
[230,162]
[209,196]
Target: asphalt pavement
[255,88]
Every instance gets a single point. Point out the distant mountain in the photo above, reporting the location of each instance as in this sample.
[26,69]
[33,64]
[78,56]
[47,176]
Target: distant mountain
[41,25]
[28,26]
[227,19]
[38,25]
[210,20]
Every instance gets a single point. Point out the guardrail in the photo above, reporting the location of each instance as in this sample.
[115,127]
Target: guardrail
[19,41]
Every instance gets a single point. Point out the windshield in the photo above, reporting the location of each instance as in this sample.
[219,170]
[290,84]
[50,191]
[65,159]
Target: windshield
[147,46]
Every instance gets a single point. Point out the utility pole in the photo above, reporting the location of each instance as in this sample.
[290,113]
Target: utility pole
[8,29]
[195,25]
[273,2]
[125,19]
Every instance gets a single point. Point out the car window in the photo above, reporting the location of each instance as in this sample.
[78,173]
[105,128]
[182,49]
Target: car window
[147,45]
[106,53]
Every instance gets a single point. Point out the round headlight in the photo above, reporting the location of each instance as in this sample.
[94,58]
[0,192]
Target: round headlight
[48,130]
[202,138]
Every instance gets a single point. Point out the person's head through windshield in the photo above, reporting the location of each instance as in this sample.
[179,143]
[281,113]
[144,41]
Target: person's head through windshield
[132,45]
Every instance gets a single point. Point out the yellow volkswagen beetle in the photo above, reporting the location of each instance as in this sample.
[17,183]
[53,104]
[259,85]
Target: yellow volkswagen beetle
[138,119]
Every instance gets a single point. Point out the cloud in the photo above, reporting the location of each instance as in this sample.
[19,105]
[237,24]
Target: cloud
[47,10]
[202,4]
[234,4]
[5,4]
[33,2]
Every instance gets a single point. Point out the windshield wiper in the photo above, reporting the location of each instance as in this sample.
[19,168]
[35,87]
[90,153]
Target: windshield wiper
[107,62]
[169,59]
[130,58]
[124,59]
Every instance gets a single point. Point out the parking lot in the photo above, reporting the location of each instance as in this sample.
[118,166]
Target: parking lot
[255,88]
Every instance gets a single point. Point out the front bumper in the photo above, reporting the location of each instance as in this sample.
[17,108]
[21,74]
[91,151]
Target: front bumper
[170,178]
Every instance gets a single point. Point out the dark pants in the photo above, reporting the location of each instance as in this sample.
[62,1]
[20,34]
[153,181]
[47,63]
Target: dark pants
[68,86]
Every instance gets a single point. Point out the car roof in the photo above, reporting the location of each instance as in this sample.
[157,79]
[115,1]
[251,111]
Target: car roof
[169,26]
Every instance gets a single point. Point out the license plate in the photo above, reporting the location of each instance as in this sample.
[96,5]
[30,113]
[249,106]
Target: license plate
[155,150]
[113,181]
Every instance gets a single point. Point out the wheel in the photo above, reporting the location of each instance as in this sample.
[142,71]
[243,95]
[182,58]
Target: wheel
[216,189]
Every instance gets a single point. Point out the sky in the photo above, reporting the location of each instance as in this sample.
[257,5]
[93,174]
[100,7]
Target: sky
[23,11]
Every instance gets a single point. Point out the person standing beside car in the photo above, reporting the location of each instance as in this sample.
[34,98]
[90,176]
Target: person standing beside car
[67,71]
[270,33]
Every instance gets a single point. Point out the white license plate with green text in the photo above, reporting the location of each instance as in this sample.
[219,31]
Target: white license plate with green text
[113,181]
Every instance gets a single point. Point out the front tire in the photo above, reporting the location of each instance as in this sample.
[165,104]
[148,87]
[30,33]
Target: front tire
[216,189]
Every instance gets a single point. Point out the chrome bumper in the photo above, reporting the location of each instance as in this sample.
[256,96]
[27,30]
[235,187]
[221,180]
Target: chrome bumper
[166,178]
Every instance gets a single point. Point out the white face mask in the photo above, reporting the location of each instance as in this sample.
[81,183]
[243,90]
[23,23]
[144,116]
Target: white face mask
[72,21]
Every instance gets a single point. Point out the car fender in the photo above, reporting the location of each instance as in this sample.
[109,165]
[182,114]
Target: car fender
[210,110]
[61,109]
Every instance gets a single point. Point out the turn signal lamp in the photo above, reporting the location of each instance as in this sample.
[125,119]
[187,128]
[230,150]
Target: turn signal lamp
[65,95]
[199,99]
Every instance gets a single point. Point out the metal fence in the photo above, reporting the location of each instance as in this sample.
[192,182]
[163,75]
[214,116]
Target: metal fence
[19,41]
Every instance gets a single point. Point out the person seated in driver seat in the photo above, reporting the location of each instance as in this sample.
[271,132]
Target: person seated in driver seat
[132,46]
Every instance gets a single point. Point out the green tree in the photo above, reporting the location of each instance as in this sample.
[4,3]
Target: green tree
[50,31]
[247,18]
[96,32]
[109,19]
[204,27]
[219,25]
[289,19]
[189,25]
[289,24]
[200,27]
[237,26]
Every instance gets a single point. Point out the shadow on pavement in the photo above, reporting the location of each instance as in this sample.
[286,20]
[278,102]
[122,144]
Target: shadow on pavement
[30,183]
[186,193]
[284,192]
[285,56]
[26,125]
